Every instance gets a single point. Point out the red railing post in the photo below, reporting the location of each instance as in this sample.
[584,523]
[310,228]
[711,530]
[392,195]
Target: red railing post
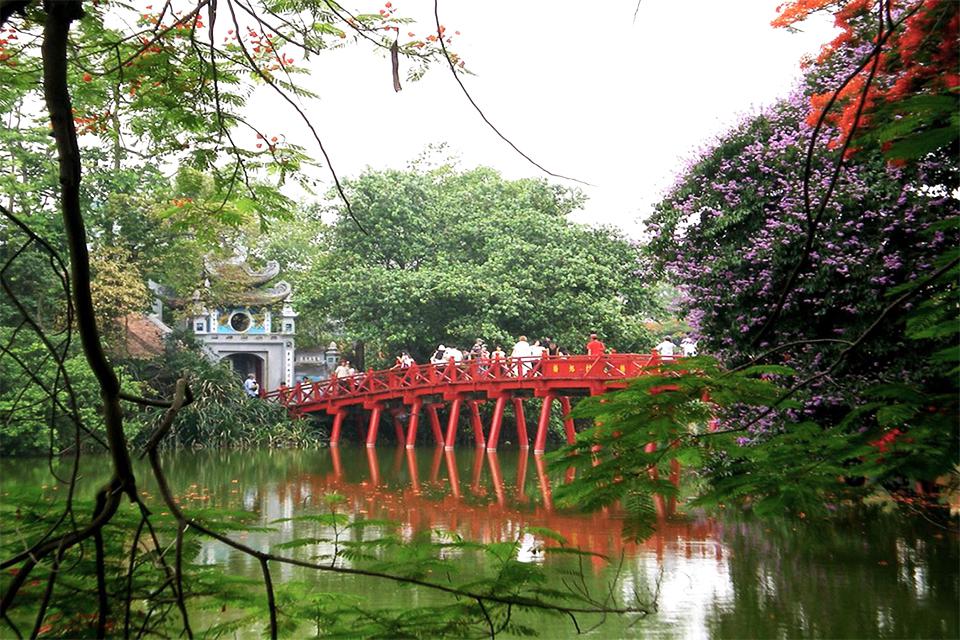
[540,443]
[413,423]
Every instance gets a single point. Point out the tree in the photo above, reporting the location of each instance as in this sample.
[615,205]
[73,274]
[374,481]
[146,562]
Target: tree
[833,261]
[158,78]
[910,97]
[732,228]
[449,256]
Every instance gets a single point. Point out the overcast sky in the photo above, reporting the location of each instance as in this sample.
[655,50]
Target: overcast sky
[579,86]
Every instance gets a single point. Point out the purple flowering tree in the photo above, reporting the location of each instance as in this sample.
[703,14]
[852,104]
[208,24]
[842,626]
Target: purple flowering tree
[733,227]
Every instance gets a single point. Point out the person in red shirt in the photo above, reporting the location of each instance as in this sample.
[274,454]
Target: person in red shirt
[595,347]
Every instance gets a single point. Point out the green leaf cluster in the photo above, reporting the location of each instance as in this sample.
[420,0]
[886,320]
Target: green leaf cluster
[446,256]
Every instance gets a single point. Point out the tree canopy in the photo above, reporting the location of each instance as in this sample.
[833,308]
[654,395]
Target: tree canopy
[446,256]
[817,245]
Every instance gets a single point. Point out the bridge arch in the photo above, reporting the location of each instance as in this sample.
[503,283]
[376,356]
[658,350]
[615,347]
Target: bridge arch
[419,391]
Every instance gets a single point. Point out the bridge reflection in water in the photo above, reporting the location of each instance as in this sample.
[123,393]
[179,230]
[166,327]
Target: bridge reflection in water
[432,491]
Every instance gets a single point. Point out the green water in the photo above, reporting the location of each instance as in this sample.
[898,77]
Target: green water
[726,577]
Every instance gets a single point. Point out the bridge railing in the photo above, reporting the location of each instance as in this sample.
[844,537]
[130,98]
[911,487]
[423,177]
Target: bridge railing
[598,368]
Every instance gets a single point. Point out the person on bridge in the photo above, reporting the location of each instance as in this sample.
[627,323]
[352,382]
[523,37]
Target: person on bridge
[404,361]
[342,370]
[498,354]
[250,386]
[439,356]
[667,348]
[478,350]
[595,347]
[521,349]
[688,347]
[554,350]
[537,349]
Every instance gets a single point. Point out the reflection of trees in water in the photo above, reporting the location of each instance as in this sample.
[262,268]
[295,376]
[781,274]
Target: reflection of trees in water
[875,576]
[889,578]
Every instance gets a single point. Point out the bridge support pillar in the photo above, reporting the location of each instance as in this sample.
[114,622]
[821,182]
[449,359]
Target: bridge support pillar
[413,423]
[435,424]
[337,426]
[521,423]
[543,424]
[398,428]
[476,423]
[374,425]
[567,420]
[452,422]
[496,422]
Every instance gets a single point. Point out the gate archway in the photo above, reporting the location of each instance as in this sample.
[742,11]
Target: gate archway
[246,363]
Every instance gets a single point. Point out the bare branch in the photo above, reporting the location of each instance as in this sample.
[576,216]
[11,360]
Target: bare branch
[456,76]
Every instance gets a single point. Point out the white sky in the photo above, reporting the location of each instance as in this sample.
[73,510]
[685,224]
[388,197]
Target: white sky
[577,85]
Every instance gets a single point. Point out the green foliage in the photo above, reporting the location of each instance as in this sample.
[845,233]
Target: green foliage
[899,434]
[28,423]
[915,126]
[449,256]
[222,415]
[472,603]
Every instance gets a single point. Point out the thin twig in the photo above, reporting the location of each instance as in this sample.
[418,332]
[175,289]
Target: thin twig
[303,117]
[271,602]
[813,221]
[483,116]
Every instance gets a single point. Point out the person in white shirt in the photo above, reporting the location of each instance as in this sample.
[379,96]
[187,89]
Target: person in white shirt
[251,386]
[342,370]
[454,354]
[439,356]
[667,348]
[537,349]
[688,347]
[521,350]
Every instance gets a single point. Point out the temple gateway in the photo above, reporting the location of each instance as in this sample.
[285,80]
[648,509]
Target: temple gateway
[255,331]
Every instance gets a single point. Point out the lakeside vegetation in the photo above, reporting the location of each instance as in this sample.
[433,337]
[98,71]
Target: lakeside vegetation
[814,248]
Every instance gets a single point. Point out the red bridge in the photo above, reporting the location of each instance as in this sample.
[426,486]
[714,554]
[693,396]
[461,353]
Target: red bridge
[407,392]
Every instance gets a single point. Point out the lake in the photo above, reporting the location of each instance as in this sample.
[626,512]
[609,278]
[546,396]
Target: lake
[726,576]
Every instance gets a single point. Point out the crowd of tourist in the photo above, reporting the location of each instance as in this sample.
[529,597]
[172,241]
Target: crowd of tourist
[481,351]
[522,349]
